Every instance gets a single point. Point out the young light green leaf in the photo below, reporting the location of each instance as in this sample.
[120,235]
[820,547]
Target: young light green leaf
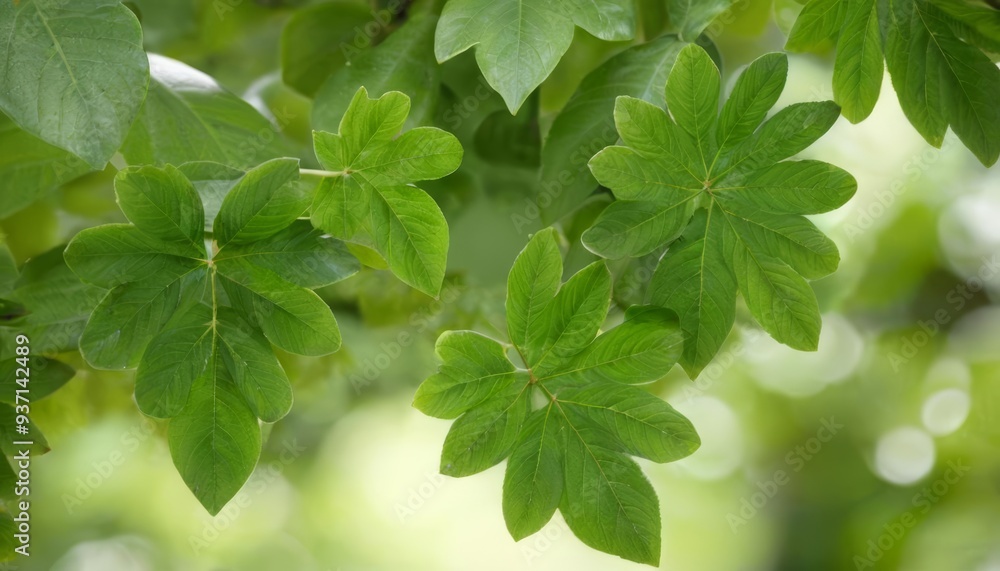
[519,42]
[94,68]
[197,322]
[367,200]
[533,481]
[705,304]
[693,98]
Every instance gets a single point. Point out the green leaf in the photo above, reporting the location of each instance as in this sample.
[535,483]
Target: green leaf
[293,318]
[573,317]
[367,199]
[215,442]
[318,40]
[30,168]
[115,254]
[172,362]
[941,80]
[131,314]
[706,304]
[645,425]
[977,23]
[404,62]
[94,68]
[266,200]
[692,96]
[212,181]
[757,90]
[207,123]
[858,71]
[571,451]
[533,282]
[482,437]
[636,228]
[637,351]
[691,17]
[746,232]
[299,254]
[938,53]
[198,322]
[817,26]
[46,377]
[533,481]
[607,501]
[473,369]
[519,42]
[163,204]
[253,366]
[586,125]
[57,301]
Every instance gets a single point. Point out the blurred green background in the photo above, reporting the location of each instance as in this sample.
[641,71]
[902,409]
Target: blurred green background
[879,451]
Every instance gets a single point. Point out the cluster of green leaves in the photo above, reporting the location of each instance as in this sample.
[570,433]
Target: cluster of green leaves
[938,53]
[195,304]
[570,416]
[715,188]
